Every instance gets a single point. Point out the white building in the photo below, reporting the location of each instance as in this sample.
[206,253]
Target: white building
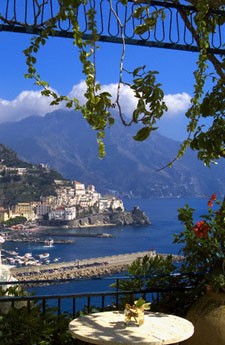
[70,213]
[58,213]
[110,203]
[117,203]
[42,209]
[63,213]
[79,188]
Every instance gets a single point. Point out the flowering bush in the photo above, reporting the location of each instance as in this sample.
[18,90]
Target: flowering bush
[204,244]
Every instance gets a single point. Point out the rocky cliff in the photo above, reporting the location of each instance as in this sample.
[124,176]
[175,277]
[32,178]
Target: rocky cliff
[134,217]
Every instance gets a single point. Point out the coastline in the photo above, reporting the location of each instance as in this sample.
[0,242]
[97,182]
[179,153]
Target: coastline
[28,233]
[38,234]
[86,268]
[107,218]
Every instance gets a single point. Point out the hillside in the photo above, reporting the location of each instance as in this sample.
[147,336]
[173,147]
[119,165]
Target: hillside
[65,142]
[21,181]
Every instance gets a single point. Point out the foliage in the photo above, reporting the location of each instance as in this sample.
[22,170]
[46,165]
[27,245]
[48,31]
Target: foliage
[98,106]
[14,221]
[20,327]
[160,274]
[148,92]
[23,325]
[210,143]
[203,245]
[202,266]
[13,290]
[26,187]
[9,158]
[152,267]
[141,304]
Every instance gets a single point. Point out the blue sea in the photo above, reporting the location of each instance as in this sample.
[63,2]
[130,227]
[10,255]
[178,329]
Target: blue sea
[156,236]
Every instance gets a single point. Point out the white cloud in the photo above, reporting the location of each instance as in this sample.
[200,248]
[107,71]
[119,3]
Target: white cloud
[29,103]
[127,100]
[78,91]
[177,104]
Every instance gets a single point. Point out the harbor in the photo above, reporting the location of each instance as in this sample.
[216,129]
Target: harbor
[94,267]
[40,235]
[69,260]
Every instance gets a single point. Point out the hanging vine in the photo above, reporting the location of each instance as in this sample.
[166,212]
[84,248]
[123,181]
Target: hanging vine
[99,105]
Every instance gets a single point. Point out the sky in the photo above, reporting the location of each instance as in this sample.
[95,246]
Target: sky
[58,64]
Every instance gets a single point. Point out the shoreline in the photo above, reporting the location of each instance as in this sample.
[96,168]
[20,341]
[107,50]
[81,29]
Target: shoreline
[39,234]
[86,268]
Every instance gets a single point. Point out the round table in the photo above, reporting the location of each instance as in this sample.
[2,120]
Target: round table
[109,328]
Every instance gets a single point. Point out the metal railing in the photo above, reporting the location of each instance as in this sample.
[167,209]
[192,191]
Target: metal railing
[172,30]
[73,303]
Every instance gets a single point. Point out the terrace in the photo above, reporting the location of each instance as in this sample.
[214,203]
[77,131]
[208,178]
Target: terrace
[27,307]
[43,319]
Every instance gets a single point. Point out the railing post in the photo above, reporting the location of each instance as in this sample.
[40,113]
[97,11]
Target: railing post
[74,307]
[117,295]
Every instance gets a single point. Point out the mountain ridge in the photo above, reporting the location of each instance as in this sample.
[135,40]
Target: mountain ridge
[63,140]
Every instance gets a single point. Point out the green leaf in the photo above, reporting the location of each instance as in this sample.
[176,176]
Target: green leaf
[139,11]
[136,114]
[139,303]
[124,2]
[136,71]
[141,29]
[142,134]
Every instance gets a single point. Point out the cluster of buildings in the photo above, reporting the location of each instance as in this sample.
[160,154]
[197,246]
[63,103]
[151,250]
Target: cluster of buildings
[72,200]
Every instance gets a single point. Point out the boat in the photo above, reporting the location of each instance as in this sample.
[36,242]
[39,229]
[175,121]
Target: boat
[43,255]
[105,235]
[11,252]
[31,263]
[11,260]
[49,242]
[27,256]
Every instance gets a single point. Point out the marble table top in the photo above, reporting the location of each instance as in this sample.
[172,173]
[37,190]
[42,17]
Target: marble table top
[109,328]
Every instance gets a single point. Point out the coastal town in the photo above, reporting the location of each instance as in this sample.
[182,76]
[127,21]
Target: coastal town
[71,205]
[54,201]
[71,200]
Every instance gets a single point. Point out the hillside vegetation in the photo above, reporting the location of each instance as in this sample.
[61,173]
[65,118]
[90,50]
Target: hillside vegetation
[25,185]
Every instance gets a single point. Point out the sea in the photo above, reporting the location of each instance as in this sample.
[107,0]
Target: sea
[156,236]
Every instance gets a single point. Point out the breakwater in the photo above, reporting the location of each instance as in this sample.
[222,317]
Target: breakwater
[94,267]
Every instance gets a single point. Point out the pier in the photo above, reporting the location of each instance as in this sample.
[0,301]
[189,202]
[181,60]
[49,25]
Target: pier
[94,267]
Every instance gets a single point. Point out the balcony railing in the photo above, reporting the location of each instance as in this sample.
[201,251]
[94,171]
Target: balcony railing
[171,32]
[75,302]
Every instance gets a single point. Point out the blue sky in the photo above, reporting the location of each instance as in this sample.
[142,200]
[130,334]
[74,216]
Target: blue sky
[58,64]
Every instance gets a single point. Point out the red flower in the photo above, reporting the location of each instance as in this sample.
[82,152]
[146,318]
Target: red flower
[210,203]
[213,198]
[201,229]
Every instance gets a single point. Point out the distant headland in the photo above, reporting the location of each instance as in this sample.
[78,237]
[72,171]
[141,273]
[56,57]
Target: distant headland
[106,218]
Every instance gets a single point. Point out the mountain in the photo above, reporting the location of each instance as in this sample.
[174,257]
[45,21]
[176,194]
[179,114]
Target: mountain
[64,141]
[21,181]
